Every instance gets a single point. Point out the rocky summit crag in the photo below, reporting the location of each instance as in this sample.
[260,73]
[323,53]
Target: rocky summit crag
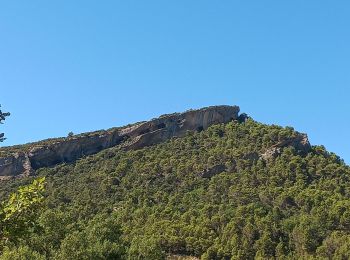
[19,161]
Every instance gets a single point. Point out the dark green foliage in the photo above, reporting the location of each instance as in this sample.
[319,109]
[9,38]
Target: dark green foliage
[153,202]
[18,215]
[3,116]
[21,253]
[100,239]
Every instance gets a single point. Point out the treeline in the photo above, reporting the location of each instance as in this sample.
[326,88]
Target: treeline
[154,202]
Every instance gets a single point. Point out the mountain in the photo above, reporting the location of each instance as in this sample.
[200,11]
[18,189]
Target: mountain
[208,183]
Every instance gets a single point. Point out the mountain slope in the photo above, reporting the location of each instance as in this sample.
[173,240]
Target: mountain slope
[213,194]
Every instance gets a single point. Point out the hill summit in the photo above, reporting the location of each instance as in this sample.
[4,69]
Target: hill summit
[19,161]
[203,184]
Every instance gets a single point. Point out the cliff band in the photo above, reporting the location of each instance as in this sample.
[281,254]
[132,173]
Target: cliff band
[23,160]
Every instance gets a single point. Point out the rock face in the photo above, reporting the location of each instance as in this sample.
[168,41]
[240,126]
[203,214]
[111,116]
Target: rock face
[300,143]
[14,164]
[44,154]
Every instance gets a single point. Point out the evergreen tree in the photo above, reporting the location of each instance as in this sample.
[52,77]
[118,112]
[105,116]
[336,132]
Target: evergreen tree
[3,116]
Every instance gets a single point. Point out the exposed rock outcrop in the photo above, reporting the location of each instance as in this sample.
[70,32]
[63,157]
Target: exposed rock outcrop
[300,143]
[47,154]
[210,172]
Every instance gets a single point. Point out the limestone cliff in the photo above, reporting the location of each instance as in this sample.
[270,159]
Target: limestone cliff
[24,160]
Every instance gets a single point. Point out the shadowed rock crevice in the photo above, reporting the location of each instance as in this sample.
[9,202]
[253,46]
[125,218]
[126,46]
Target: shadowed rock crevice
[212,171]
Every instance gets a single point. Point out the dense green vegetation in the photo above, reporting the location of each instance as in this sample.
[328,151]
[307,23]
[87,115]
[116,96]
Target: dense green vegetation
[153,202]
[18,215]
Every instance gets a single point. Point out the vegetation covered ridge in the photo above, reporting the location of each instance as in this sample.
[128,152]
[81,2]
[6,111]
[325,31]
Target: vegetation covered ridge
[207,194]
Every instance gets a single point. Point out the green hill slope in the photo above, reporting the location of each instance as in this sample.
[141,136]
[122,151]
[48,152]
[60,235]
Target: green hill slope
[209,195]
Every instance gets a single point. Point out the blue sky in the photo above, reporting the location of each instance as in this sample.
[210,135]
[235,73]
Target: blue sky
[87,65]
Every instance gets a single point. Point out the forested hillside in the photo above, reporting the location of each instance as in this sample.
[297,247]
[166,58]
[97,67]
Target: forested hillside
[209,195]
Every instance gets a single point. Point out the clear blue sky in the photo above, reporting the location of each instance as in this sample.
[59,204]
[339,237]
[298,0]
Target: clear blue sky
[88,65]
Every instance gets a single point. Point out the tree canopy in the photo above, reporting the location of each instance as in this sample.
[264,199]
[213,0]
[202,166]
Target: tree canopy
[3,116]
[155,202]
[18,215]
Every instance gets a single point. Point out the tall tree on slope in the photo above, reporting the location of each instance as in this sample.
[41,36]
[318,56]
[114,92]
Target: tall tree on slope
[3,116]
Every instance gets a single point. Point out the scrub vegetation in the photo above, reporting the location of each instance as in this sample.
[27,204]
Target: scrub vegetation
[156,202]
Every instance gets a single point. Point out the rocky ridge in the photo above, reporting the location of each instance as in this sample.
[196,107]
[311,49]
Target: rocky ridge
[23,162]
